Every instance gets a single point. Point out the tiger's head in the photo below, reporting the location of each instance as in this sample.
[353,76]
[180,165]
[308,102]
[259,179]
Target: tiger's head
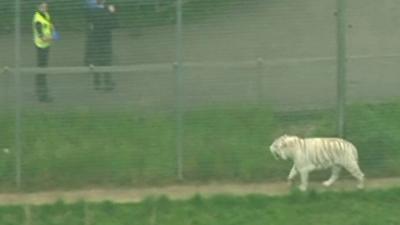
[282,147]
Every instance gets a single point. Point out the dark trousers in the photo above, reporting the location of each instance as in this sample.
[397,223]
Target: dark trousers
[99,53]
[41,78]
[103,81]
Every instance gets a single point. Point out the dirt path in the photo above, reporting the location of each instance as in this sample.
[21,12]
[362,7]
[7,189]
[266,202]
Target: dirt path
[177,192]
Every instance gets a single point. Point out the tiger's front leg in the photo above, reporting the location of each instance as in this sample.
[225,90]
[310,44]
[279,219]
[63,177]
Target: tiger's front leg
[293,173]
[304,180]
[334,176]
[304,177]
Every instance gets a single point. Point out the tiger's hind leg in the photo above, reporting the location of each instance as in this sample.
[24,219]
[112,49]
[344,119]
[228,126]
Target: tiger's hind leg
[334,176]
[356,172]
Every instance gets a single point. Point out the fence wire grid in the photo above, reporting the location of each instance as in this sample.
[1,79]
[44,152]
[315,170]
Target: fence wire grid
[152,92]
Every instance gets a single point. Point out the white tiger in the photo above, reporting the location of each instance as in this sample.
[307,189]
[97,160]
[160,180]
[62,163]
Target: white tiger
[309,154]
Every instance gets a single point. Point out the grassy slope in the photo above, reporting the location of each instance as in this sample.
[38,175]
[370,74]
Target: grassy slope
[72,150]
[367,208]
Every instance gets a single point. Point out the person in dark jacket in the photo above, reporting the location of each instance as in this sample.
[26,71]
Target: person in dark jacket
[91,7]
[102,22]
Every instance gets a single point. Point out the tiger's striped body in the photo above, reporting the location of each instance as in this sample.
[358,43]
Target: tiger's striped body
[310,154]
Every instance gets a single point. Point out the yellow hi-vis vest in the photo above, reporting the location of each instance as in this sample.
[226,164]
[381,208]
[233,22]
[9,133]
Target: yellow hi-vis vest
[47,29]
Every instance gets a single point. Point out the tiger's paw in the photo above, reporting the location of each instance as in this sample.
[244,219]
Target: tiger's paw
[302,188]
[327,183]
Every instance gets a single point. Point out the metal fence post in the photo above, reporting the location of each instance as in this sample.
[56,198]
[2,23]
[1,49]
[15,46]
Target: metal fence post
[179,91]
[341,66]
[260,74]
[17,79]
[27,214]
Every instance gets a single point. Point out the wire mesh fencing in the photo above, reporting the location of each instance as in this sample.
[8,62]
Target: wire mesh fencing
[129,93]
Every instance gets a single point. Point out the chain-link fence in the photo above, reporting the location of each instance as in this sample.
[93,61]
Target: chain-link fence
[150,92]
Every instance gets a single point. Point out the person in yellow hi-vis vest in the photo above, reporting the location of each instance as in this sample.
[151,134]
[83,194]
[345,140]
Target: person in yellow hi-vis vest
[43,35]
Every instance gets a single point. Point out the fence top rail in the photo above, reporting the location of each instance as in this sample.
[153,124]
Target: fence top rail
[162,67]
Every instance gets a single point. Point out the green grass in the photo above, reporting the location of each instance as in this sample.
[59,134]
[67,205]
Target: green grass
[329,208]
[375,129]
[75,149]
